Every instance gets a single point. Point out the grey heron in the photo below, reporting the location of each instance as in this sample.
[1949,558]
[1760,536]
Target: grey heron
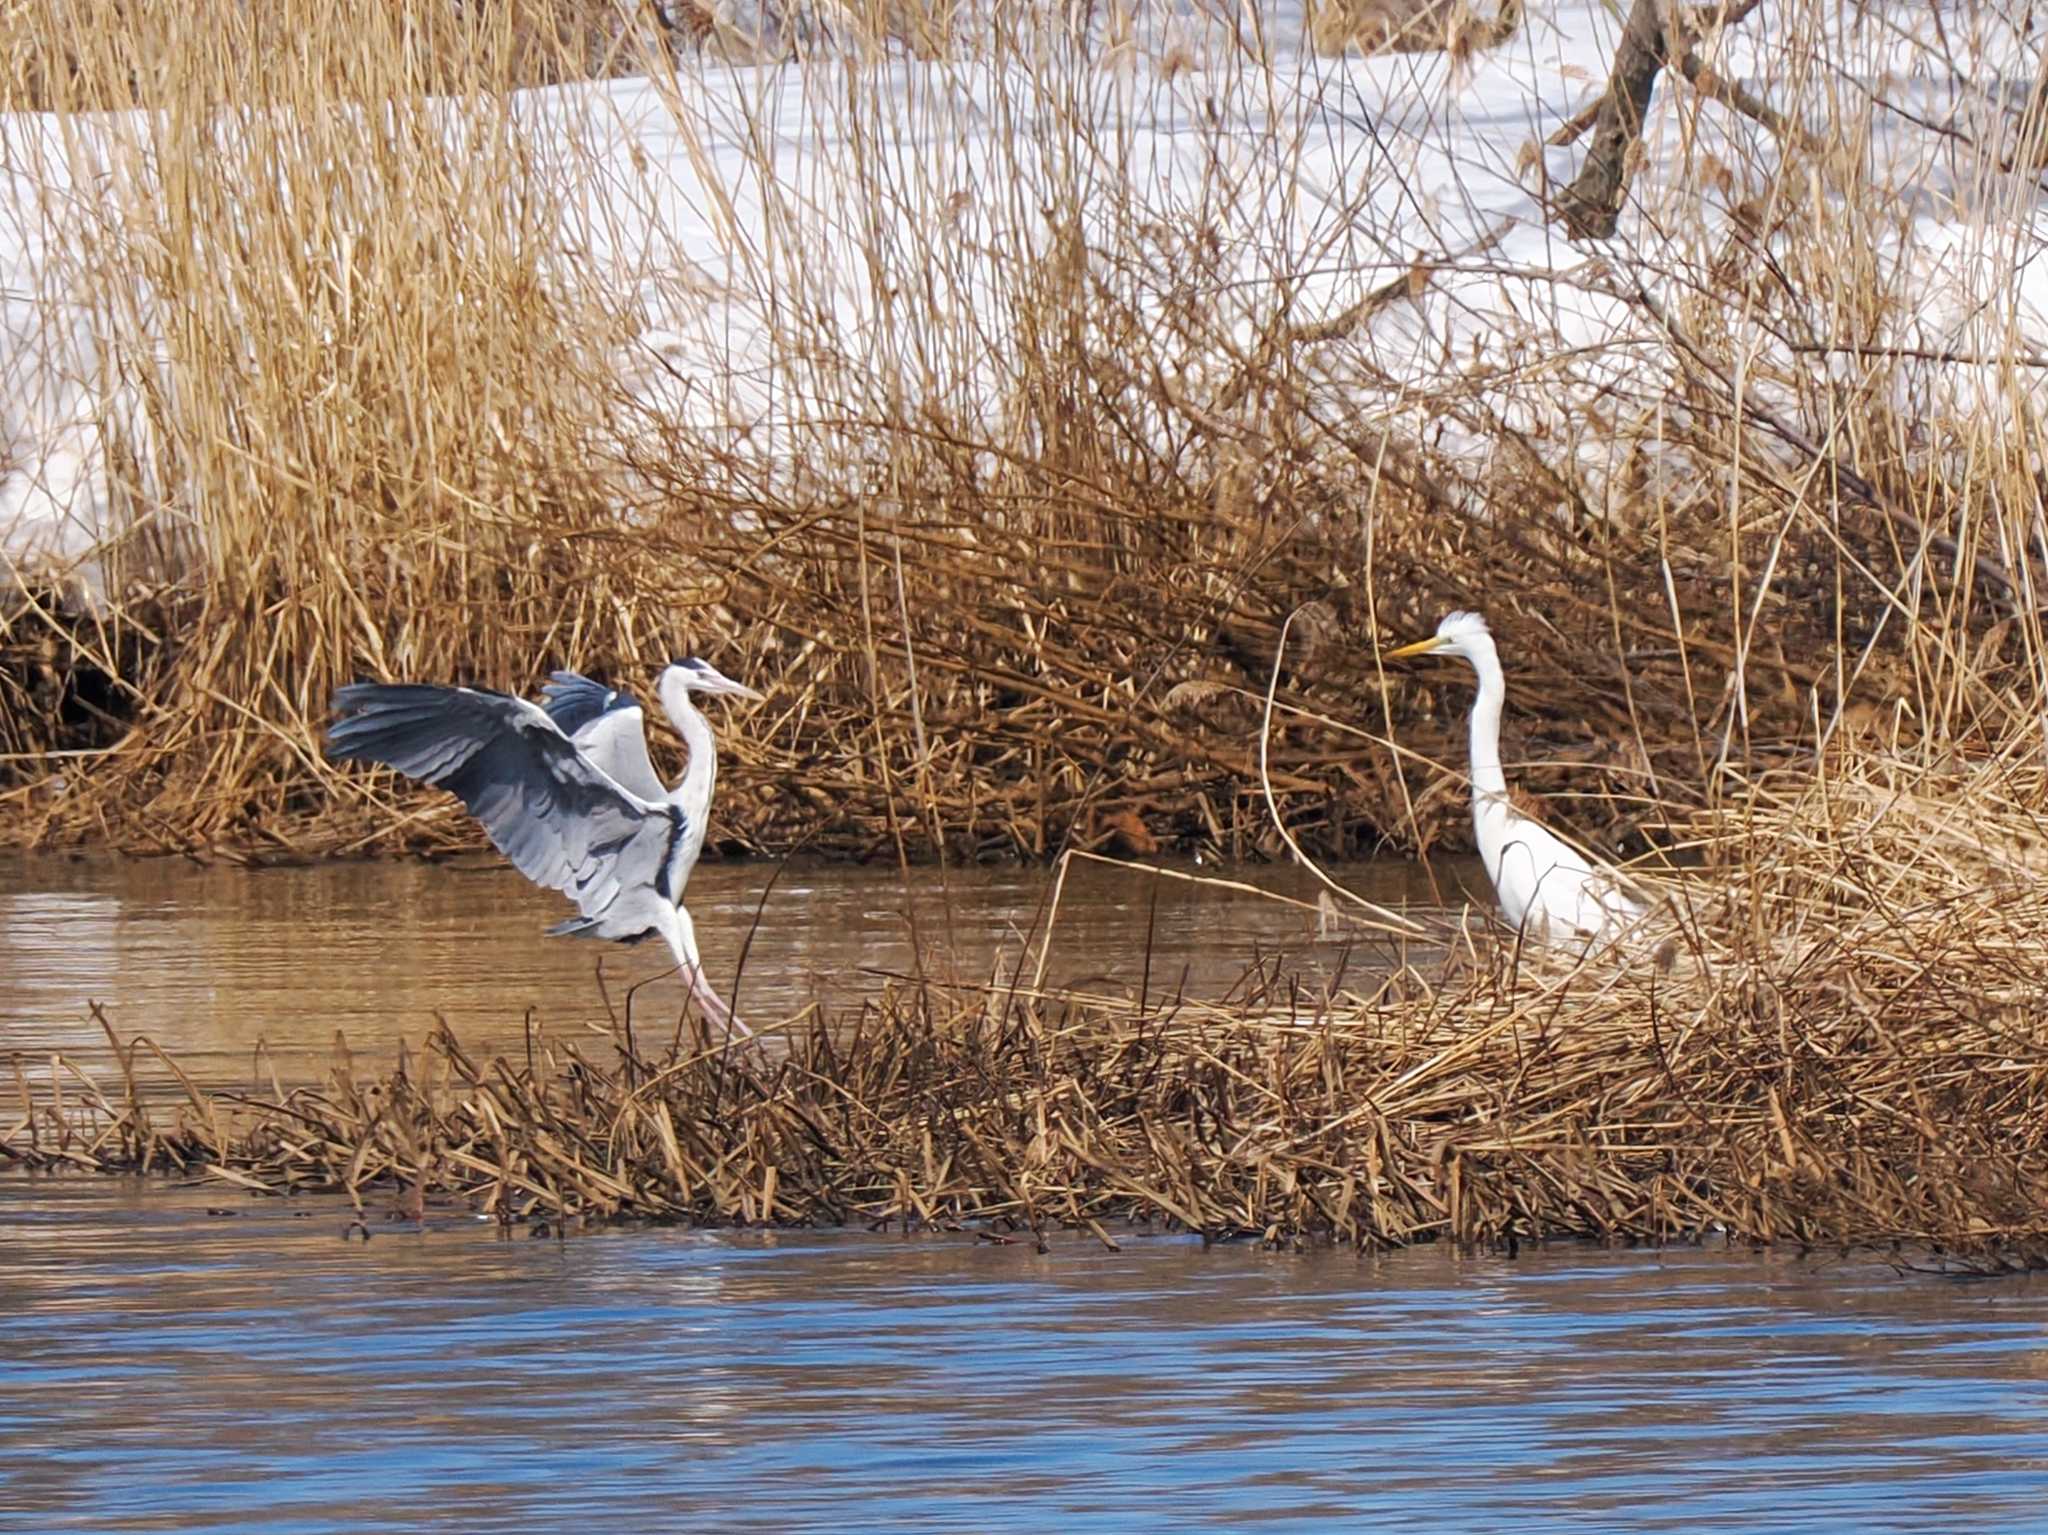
[1546,887]
[565,790]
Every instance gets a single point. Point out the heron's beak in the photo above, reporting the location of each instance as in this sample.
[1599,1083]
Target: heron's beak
[1419,648]
[741,690]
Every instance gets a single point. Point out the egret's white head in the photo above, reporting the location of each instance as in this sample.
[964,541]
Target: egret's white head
[1460,634]
[691,675]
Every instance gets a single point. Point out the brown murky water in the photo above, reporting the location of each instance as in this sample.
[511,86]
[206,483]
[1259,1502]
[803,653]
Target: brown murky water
[208,961]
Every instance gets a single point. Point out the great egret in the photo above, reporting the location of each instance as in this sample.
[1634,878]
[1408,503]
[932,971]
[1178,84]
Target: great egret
[567,791]
[1547,889]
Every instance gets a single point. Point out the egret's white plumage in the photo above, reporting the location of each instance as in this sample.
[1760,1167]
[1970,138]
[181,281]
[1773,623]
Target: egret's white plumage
[1547,888]
[565,790]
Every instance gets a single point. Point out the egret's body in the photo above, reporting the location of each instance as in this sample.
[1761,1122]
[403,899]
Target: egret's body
[565,790]
[1547,888]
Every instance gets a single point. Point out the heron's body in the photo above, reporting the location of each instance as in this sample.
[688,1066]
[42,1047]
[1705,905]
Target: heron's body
[608,726]
[1547,888]
[567,792]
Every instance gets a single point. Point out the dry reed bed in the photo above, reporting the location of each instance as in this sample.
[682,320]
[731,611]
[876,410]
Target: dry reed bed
[1016,695]
[1852,1059]
[387,435]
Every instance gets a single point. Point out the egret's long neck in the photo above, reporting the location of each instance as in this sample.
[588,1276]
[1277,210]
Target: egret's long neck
[1487,777]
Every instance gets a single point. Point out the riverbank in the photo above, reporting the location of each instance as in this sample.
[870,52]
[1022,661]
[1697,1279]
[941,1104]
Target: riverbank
[1478,1113]
[993,401]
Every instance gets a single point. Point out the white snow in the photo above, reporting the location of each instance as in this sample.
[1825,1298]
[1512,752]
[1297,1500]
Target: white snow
[899,216]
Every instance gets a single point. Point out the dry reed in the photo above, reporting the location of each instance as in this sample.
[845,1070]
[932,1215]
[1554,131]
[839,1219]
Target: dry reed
[374,423]
[1484,1112]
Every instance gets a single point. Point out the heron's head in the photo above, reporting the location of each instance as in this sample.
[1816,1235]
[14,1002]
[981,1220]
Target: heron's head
[1460,634]
[695,676]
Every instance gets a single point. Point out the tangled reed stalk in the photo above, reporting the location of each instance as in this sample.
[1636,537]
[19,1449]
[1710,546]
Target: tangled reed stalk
[1482,1113]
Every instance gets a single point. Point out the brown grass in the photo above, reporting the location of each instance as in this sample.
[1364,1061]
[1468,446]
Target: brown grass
[1408,26]
[1016,575]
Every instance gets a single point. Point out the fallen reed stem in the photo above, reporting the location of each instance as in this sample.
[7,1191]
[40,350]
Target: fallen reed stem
[1485,1108]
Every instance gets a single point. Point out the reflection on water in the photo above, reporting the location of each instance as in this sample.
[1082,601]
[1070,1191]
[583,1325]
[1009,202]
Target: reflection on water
[165,1369]
[208,961]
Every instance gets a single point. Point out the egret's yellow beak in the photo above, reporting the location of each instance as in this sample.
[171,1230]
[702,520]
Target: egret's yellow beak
[1419,648]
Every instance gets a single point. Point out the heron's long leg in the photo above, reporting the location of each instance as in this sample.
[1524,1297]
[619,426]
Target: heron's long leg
[682,938]
[714,1005]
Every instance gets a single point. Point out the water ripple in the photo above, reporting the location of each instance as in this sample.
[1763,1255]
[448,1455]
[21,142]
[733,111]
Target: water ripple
[163,1369]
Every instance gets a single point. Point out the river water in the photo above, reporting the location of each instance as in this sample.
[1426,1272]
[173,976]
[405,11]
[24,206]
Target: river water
[185,1357]
[208,961]
[166,1369]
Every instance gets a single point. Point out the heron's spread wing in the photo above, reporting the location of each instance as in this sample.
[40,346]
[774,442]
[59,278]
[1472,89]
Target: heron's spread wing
[609,727]
[562,822]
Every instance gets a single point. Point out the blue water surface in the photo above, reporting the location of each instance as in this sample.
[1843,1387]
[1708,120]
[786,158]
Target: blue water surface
[167,1368]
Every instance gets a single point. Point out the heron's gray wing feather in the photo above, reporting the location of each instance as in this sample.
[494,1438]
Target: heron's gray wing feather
[617,743]
[609,727]
[572,700]
[561,821]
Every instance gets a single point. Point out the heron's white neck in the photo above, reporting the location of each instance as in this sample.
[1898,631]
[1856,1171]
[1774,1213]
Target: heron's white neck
[1487,777]
[700,777]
